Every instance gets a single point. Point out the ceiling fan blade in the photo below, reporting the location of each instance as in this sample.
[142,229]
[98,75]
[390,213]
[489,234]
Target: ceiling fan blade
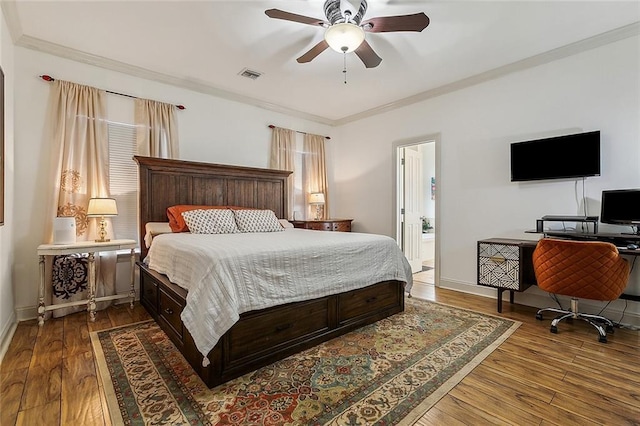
[288,16]
[386,24]
[367,55]
[313,52]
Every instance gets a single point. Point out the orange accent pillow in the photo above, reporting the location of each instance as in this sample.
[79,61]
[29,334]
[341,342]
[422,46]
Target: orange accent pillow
[176,221]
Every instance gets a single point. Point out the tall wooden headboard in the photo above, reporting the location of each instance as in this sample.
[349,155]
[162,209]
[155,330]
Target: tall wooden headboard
[164,183]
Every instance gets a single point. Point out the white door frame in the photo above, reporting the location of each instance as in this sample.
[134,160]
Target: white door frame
[396,179]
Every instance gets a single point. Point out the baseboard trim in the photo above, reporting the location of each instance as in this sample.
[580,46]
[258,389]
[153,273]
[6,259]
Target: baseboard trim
[7,335]
[465,287]
[26,313]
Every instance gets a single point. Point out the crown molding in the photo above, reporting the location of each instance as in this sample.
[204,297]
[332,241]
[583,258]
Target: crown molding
[189,84]
[593,42]
[13,22]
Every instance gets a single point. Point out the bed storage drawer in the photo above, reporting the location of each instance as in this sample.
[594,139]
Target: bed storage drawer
[169,310]
[148,294]
[359,303]
[264,331]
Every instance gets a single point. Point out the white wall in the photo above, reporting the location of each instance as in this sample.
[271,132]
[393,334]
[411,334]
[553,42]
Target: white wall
[211,130]
[595,90]
[7,313]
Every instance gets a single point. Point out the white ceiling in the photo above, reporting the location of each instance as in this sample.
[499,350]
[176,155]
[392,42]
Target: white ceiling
[205,44]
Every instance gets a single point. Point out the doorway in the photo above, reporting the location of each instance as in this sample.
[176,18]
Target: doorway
[416,206]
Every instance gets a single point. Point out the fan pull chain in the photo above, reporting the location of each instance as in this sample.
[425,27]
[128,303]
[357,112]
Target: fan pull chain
[344,70]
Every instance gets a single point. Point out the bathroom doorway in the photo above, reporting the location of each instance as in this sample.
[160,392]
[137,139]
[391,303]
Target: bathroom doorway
[416,209]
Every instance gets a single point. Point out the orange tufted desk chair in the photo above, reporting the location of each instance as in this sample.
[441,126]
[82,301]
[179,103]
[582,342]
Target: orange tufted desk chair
[580,269]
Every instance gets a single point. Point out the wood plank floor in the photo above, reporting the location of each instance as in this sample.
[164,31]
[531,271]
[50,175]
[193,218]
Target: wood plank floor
[48,375]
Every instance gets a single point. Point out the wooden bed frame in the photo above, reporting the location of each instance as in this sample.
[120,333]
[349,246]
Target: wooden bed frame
[259,337]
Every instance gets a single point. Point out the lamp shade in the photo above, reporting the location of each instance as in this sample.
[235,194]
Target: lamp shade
[316,198]
[102,207]
[344,37]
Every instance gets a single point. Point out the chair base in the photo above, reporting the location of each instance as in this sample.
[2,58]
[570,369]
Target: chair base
[602,324]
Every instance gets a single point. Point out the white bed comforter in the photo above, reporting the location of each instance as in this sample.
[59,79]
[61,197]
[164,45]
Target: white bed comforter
[228,274]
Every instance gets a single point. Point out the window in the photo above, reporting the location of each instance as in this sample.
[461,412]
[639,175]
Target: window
[302,210]
[123,179]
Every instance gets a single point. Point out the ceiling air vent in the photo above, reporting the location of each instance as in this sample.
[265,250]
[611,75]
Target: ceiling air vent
[253,75]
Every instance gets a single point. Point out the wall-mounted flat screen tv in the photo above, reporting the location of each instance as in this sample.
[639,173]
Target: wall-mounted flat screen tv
[620,207]
[559,157]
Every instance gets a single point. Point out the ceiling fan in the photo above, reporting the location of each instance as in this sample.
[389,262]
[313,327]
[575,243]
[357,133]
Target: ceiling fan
[345,30]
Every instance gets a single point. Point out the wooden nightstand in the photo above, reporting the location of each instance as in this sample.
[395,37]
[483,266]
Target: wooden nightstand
[342,225]
[90,247]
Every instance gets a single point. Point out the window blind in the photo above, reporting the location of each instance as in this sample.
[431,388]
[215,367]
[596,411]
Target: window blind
[123,179]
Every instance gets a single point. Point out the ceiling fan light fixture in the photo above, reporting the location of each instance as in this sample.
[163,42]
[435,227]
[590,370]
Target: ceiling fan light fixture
[344,37]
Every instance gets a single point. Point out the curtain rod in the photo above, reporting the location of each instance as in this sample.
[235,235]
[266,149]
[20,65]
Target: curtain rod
[48,78]
[271,126]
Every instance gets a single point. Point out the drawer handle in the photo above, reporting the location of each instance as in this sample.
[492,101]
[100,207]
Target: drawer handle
[372,299]
[283,327]
[168,311]
[497,259]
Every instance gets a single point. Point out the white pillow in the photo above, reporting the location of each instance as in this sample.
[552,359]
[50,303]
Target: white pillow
[257,221]
[210,221]
[155,228]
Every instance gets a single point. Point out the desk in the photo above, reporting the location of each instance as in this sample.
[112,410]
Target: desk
[619,240]
[507,263]
[90,247]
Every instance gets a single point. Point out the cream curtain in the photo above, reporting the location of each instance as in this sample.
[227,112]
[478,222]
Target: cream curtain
[283,149]
[314,175]
[157,129]
[79,138]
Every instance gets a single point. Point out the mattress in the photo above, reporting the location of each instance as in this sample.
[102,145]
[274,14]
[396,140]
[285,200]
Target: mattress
[228,274]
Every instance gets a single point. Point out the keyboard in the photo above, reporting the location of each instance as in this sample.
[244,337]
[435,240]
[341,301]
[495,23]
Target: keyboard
[571,218]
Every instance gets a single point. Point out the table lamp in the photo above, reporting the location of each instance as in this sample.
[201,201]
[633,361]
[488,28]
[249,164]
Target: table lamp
[316,198]
[102,207]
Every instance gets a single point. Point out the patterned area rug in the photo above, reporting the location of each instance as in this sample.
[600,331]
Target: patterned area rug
[387,373]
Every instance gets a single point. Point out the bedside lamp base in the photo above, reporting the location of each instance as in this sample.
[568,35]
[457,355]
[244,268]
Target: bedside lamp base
[102,232]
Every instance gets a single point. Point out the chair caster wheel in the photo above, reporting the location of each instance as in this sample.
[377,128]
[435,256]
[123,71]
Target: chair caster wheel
[602,339]
[554,329]
[609,329]
[539,317]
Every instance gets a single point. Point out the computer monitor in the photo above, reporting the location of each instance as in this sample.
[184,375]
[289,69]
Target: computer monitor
[621,207]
